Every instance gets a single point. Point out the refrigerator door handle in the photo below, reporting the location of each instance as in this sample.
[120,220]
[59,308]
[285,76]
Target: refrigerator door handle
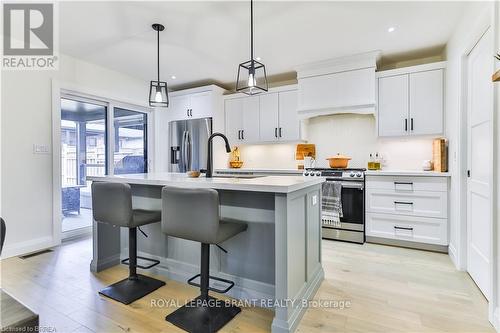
[189,152]
[184,152]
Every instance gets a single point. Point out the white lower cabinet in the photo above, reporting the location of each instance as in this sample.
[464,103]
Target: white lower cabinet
[413,209]
[407,228]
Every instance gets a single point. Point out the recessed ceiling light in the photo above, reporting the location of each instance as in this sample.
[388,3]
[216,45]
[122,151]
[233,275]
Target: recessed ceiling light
[258,58]
[173,77]
[391,29]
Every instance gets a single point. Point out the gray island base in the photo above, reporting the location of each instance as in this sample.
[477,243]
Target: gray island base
[275,263]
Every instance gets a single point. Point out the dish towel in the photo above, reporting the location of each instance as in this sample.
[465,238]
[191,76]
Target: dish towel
[331,204]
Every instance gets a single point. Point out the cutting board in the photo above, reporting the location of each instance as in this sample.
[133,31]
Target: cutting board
[305,149]
[440,154]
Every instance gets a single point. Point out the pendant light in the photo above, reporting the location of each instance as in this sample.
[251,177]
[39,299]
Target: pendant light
[251,77]
[158,94]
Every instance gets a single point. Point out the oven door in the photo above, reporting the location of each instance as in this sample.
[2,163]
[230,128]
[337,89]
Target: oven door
[353,206]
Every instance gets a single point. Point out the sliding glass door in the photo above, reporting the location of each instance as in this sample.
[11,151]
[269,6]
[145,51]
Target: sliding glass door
[130,141]
[83,153]
[98,137]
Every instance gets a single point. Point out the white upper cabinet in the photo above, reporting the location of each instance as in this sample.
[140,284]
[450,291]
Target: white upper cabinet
[200,104]
[426,102]
[411,101]
[269,117]
[393,105]
[234,120]
[191,106]
[289,123]
[251,122]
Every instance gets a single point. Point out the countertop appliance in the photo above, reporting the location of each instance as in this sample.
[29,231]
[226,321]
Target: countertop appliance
[351,227]
[188,140]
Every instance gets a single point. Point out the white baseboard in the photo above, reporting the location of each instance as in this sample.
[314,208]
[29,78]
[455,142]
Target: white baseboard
[452,252]
[27,247]
[496,319]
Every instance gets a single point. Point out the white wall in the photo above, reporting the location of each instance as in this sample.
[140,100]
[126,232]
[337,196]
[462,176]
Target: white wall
[26,187]
[348,134]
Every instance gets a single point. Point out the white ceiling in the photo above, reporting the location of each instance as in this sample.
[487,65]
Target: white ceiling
[205,41]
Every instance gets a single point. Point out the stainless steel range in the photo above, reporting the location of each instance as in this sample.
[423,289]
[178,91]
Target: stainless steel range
[351,227]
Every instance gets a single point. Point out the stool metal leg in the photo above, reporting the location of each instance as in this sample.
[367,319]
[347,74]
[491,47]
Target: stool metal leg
[204,270]
[204,314]
[135,286]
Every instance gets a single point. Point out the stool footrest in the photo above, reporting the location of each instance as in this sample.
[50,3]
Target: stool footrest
[154,262]
[220,291]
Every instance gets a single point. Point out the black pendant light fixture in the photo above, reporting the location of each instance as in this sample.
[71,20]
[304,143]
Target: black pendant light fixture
[158,94]
[251,77]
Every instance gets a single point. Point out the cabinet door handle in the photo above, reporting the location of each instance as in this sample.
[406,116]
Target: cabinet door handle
[276,132]
[406,124]
[403,228]
[403,183]
[187,112]
[411,124]
[243,134]
[280,132]
[239,134]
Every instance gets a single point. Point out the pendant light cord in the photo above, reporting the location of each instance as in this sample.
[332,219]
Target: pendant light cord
[158,55]
[251,31]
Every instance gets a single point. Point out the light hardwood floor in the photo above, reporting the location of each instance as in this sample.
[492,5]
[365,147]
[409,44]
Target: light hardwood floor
[389,289]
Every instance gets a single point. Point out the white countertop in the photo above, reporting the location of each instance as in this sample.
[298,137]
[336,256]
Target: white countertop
[415,173]
[274,184]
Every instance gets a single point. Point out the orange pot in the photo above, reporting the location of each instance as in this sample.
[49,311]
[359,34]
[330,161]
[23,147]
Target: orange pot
[339,161]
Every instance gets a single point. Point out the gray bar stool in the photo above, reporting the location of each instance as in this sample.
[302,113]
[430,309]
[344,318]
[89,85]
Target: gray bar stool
[112,204]
[193,214]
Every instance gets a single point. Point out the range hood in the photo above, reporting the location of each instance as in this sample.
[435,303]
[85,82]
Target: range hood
[341,85]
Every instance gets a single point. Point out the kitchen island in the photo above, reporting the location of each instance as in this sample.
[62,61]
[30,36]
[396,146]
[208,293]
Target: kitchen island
[275,263]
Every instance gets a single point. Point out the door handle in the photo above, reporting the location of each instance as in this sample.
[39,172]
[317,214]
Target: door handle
[406,124]
[280,132]
[276,132]
[242,134]
[411,124]
[239,134]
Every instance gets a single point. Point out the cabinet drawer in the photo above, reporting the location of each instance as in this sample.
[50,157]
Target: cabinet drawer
[425,204]
[403,184]
[407,228]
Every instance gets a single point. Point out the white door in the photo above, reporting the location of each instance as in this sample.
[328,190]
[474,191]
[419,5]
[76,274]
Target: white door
[251,121]
[288,118]
[426,102]
[480,164]
[393,105]
[178,107]
[234,120]
[269,117]
[201,104]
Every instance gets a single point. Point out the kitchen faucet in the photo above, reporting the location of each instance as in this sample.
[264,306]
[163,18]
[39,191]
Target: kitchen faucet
[210,167]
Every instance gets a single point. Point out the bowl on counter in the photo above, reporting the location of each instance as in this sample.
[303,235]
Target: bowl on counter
[236,164]
[193,174]
[339,161]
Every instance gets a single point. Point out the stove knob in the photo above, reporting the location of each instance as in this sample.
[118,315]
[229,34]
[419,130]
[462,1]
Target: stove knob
[318,173]
[351,174]
[305,173]
[359,174]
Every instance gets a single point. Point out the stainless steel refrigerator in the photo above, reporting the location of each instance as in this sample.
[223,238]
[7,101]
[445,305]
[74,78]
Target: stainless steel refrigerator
[188,141]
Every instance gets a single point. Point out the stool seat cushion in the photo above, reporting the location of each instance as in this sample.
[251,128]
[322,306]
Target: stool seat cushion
[229,228]
[142,217]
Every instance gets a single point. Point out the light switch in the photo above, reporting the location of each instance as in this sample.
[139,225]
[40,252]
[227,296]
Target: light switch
[40,149]
[315,200]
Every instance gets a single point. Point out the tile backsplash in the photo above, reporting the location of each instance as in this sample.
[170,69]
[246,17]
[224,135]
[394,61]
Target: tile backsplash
[348,134]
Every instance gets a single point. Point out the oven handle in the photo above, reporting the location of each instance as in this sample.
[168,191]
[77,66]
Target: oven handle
[359,186]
